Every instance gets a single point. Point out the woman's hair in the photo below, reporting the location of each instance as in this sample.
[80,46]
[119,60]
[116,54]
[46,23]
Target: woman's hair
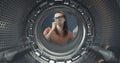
[65,26]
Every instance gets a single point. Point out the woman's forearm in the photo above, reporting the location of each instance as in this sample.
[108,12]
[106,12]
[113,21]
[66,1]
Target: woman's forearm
[48,36]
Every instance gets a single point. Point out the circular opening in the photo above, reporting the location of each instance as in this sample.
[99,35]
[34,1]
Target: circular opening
[75,23]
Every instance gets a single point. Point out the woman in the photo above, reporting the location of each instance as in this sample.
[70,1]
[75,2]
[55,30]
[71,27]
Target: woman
[59,32]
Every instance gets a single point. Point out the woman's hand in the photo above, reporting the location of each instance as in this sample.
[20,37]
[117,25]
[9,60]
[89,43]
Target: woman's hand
[54,24]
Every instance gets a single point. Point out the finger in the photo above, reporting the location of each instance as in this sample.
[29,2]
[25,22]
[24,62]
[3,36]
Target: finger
[55,23]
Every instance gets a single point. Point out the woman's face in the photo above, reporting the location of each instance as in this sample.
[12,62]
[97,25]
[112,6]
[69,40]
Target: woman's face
[59,18]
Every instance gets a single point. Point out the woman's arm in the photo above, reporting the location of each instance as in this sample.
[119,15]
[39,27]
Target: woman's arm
[49,31]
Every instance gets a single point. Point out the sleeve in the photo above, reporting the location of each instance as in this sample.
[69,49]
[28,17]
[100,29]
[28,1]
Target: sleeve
[71,35]
[46,31]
